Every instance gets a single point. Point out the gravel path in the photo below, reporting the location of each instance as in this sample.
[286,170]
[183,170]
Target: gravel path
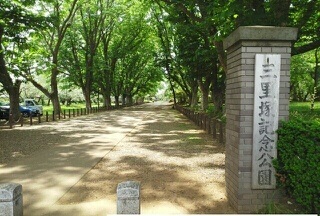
[181,169]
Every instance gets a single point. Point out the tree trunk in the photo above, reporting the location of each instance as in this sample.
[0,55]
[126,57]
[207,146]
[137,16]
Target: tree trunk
[56,104]
[281,11]
[103,99]
[194,98]
[194,94]
[14,93]
[124,97]
[89,78]
[218,97]
[173,93]
[87,97]
[116,99]
[108,95]
[205,88]
[205,99]
[107,102]
[130,99]
[221,55]
[54,96]
[218,90]
[316,76]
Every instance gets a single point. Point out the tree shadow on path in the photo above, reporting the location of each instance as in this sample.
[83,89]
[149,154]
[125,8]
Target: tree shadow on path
[180,168]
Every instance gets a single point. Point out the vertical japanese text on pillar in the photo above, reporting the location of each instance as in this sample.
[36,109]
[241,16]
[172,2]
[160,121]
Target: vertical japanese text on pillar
[265,121]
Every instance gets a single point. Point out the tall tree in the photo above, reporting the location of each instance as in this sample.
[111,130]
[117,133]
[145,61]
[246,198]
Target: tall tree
[139,72]
[165,57]
[105,77]
[62,14]
[81,45]
[195,51]
[16,24]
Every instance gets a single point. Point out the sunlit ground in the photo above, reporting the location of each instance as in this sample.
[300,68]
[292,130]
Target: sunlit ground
[180,168]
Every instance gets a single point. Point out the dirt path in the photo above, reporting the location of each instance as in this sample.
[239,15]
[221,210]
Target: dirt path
[180,168]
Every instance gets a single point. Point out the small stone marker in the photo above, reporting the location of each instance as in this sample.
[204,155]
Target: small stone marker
[11,203]
[128,198]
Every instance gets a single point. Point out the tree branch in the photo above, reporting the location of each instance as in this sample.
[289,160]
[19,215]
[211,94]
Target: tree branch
[185,10]
[221,54]
[306,47]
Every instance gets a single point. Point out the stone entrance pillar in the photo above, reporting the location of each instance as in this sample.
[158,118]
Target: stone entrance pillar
[257,97]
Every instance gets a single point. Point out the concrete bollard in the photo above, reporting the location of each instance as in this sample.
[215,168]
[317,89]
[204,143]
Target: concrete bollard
[128,198]
[11,203]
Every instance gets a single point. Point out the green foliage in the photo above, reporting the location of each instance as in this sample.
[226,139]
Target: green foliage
[302,76]
[298,161]
[17,19]
[114,43]
[17,24]
[213,112]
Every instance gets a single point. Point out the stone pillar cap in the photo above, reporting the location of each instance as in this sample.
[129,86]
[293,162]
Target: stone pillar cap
[128,189]
[261,33]
[9,191]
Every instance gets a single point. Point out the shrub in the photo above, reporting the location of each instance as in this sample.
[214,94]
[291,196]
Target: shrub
[298,162]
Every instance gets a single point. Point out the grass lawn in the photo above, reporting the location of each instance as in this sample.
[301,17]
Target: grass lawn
[49,109]
[302,109]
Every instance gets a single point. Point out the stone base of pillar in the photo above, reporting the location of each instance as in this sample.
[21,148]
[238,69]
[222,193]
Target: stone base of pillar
[11,203]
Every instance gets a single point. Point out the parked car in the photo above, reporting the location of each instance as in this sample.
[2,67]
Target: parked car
[31,103]
[25,111]
[3,113]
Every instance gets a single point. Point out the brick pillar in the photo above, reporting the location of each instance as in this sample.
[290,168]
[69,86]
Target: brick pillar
[242,47]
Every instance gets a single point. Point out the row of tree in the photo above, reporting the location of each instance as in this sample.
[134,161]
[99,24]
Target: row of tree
[192,31]
[125,47]
[100,46]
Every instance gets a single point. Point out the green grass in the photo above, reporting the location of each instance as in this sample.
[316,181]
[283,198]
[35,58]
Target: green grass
[303,110]
[279,208]
[49,109]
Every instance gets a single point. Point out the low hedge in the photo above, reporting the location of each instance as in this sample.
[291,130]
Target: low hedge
[298,162]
